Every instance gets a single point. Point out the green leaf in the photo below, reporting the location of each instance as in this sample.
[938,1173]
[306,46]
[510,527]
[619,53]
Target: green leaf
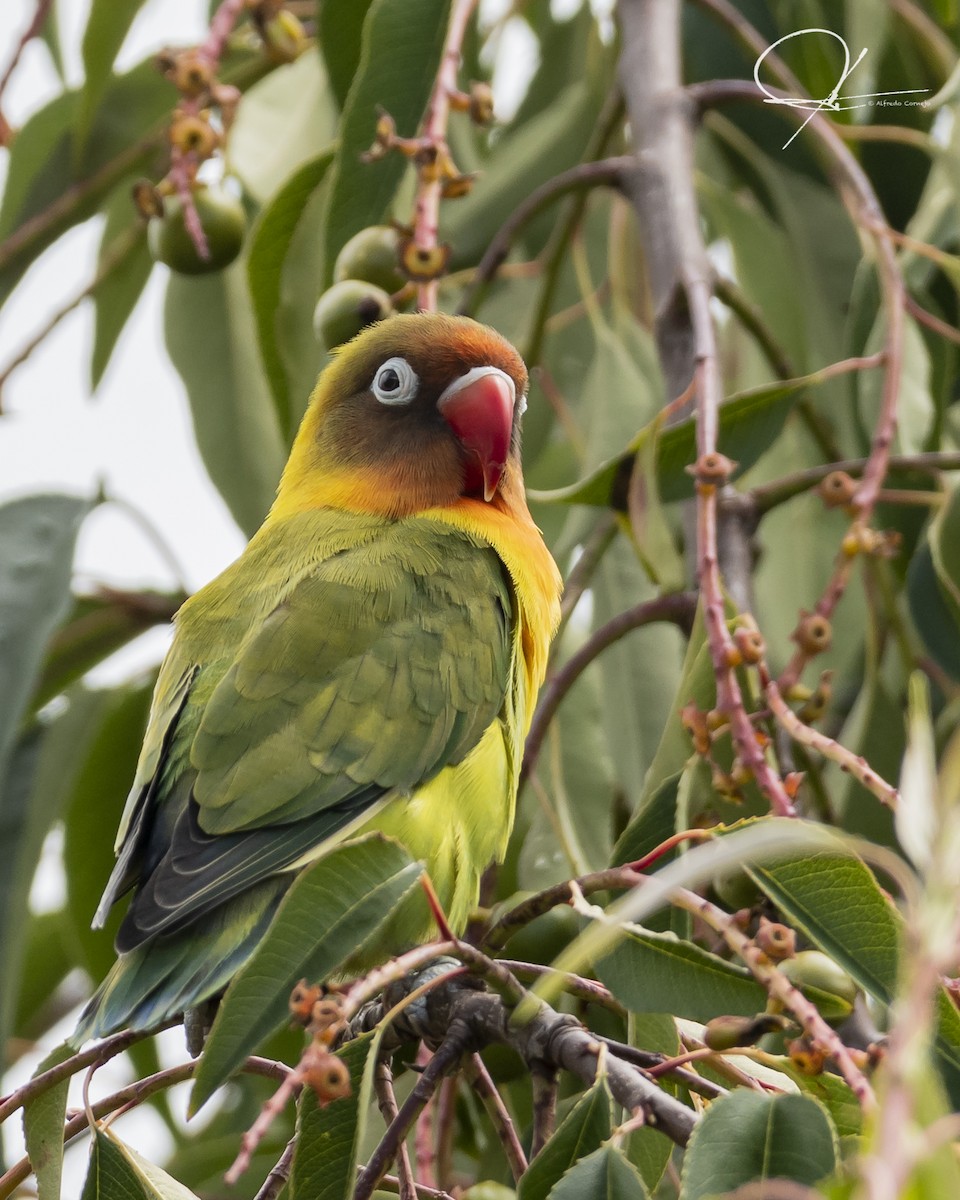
[401,49]
[118,1172]
[107,26]
[37,538]
[915,404]
[657,972]
[45,178]
[116,296]
[330,1138]
[285,120]
[606,1174]
[103,765]
[96,626]
[647,1148]
[332,908]
[654,815]
[212,342]
[270,242]
[937,619]
[747,1136]
[546,145]
[945,549]
[749,423]
[639,673]
[582,1130]
[43,1119]
[339,40]
[564,50]
[835,900]
[47,958]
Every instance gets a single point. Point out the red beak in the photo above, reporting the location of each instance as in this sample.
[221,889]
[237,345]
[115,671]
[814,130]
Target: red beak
[478,407]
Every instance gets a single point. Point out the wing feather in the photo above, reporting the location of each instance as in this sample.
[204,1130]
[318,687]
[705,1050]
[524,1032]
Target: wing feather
[381,665]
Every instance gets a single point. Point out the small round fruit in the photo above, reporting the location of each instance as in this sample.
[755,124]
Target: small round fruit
[224,223]
[810,969]
[372,254]
[346,308]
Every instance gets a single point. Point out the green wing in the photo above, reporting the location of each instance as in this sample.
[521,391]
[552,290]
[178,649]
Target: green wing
[383,664]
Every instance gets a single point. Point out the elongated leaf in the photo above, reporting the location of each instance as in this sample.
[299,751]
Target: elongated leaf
[328,913]
[838,904]
[55,754]
[285,120]
[212,341]
[937,619]
[43,1120]
[117,294]
[107,746]
[330,1138]
[654,815]
[339,39]
[107,26]
[37,537]
[581,1132]
[945,548]
[125,135]
[118,1172]
[606,1174]
[657,972]
[749,423]
[270,242]
[647,1148]
[747,1136]
[401,48]
[47,958]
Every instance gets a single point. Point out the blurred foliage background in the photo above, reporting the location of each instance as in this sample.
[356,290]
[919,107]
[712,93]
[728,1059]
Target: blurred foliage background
[616,772]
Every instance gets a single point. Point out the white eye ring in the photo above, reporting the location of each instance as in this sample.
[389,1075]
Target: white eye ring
[395,382]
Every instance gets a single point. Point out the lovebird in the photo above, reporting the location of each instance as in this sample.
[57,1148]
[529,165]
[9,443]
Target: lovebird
[370,662]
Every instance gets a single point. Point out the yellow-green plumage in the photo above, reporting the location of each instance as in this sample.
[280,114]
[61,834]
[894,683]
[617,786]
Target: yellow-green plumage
[353,670]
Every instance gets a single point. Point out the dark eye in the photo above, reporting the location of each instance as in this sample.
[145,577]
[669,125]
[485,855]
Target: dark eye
[395,382]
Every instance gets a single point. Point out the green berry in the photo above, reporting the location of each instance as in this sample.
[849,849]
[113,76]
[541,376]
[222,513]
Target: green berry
[346,308]
[224,223]
[373,255]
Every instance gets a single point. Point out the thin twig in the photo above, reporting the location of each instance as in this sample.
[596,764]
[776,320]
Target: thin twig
[486,1089]
[925,317]
[387,1103]
[545,1084]
[766,496]
[853,764]
[279,1174]
[443,1059]
[32,30]
[114,256]
[607,172]
[594,548]
[779,988]
[424,1149]
[426,222]
[101,1053]
[129,1097]
[678,608]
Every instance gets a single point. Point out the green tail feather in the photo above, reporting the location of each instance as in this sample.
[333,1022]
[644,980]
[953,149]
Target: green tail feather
[160,979]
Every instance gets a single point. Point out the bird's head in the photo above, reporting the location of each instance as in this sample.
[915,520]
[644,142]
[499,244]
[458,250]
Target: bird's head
[416,412]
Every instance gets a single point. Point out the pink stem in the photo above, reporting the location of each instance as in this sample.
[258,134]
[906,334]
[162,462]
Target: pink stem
[426,221]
